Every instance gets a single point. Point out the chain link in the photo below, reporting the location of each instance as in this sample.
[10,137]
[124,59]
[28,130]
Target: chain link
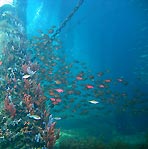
[68,18]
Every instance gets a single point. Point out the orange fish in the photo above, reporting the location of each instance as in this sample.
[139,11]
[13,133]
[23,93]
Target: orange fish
[58,100]
[107,81]
[101,86]
[89,86]
[59,90]
[52,99]
[58,82]
[79,78]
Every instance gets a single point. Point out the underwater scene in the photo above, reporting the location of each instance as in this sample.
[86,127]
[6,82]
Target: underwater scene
[73,74]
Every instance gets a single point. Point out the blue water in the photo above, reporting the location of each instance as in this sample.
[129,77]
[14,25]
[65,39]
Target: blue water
[111,30]
[105,35]
[108,36]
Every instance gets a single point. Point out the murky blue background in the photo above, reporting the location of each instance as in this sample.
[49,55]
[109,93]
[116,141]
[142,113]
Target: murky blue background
[108,34]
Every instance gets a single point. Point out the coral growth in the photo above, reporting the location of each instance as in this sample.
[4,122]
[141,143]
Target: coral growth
[28,101]
[9,106]
[50,136]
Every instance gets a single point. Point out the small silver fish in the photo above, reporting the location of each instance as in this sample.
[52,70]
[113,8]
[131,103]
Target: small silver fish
[57,118]
[26,76]
[36,117]
[93,101]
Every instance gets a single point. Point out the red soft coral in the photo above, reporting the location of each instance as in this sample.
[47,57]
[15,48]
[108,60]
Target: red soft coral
[10,107]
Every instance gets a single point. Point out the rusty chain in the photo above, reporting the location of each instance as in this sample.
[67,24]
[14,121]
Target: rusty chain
[68,18]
